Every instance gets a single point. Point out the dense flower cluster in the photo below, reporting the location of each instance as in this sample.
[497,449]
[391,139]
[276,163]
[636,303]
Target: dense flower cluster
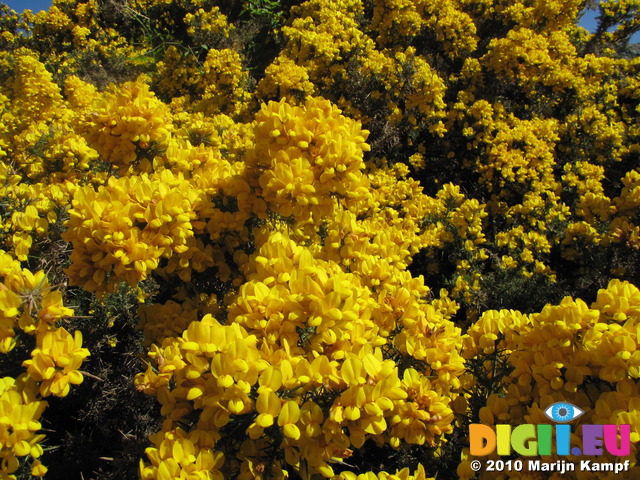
[350,225]
[309,324]
[310,158]
[29,305]
[122,123]
[122,231]
[21,413]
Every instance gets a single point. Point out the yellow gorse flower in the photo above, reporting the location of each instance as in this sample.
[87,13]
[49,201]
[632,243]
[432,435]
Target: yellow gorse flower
[20,414]
[56,360]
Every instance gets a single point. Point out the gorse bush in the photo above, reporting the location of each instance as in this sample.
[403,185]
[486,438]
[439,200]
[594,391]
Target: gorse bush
[313,239]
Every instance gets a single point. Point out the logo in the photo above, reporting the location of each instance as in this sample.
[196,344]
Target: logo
[545,440]
[563,412]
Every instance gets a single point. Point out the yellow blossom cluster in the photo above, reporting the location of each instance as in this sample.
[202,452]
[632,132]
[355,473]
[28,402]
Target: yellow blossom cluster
[55,362]
[518,151]
[69,38]
[29,302]
[204,25]
[43,158]
[223,373]
[177,73]
[21,412]
[308,325]
[452,28]
[285,79]
[308,158]
[121,231]
[29,305]
[404,474]
[122,124]
[178,455]
[399,83]
[224,83]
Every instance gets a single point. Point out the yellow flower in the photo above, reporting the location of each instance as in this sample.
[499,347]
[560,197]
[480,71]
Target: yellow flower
[178,454]
[38,469]
[56,360]
[20,414]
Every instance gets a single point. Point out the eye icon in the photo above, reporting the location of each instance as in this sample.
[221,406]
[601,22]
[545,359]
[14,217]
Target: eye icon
[563,412]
